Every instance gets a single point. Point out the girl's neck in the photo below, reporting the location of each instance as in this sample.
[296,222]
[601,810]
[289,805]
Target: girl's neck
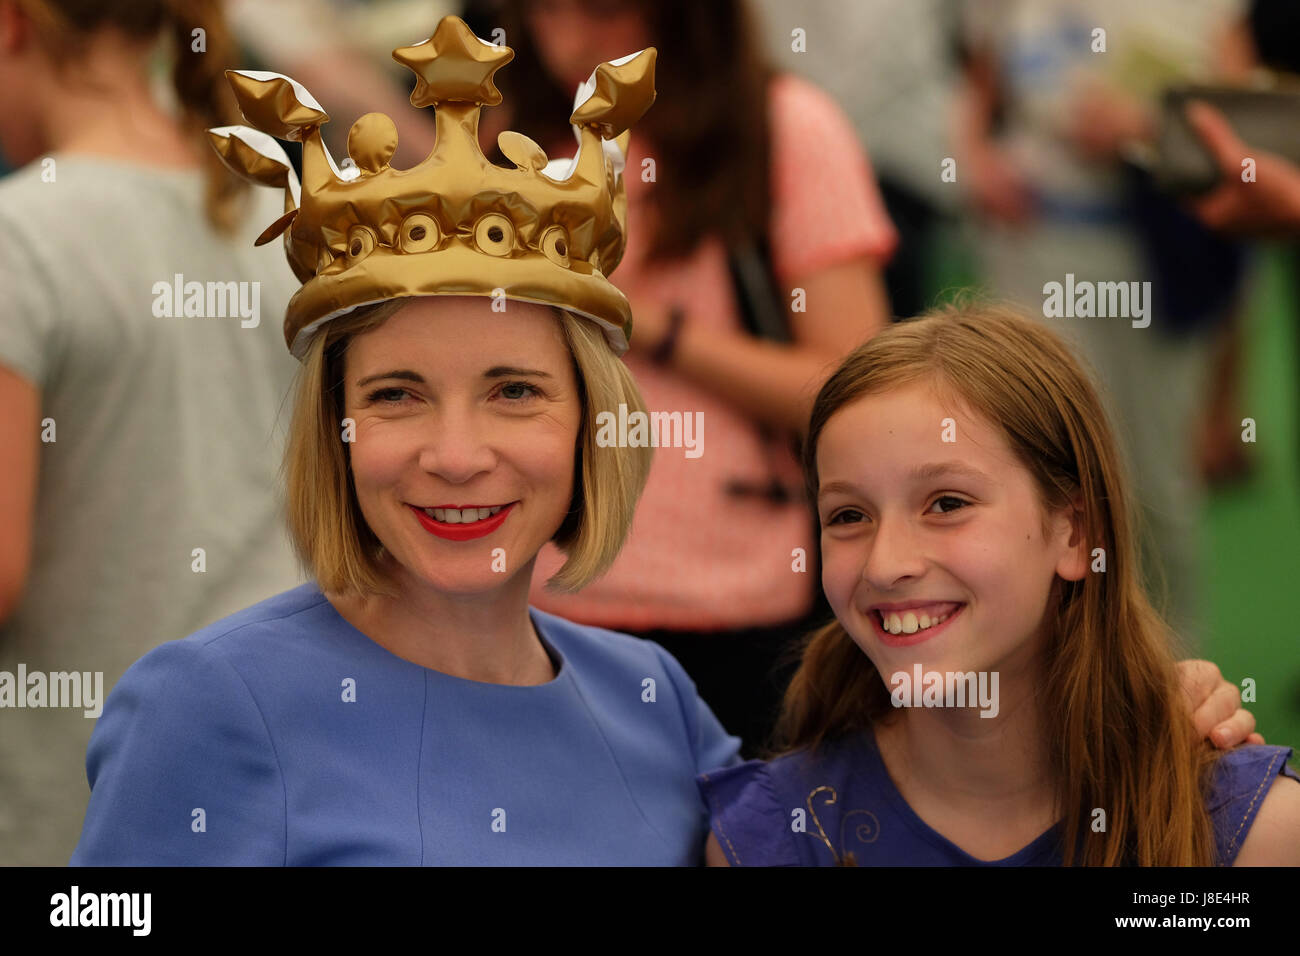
[985,784]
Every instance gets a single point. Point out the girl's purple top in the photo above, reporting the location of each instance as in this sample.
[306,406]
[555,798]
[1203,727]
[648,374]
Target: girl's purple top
[798,810]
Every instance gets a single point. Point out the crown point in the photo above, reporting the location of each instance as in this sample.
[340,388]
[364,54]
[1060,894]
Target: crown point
[454,65]
[521,150]
[372,142]
[276,104]
[620,93]
[277,227]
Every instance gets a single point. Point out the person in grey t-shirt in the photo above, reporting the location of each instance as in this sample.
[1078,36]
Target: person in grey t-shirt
[142,374]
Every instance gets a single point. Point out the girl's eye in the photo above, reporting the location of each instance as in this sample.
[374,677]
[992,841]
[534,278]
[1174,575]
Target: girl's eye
[849,513]
[511,391]
[950,498]
[385,396]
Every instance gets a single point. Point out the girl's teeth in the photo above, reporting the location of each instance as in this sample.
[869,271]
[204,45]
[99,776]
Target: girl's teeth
[908,622]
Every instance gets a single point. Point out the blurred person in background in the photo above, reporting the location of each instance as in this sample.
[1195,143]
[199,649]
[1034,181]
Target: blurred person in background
[893,68]
[1265,40]
[1268,206]
[1049,106]
[720,567]
[132,435]
[1267,37]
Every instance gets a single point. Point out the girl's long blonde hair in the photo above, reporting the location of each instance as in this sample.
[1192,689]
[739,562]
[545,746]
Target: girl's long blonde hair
[1113,712]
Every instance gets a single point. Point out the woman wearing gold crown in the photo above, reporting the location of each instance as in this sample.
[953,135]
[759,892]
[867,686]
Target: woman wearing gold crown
[458,337]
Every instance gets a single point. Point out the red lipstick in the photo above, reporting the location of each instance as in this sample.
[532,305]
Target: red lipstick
[464,530]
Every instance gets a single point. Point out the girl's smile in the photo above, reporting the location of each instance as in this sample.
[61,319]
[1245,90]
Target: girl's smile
[911,622]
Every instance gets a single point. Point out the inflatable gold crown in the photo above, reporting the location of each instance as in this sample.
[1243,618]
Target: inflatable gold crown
[548,232]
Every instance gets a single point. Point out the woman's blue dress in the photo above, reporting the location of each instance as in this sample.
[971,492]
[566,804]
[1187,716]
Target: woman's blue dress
[283,735]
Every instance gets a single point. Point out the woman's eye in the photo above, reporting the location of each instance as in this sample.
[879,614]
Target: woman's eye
[519,391]
[952,500]
[386,395]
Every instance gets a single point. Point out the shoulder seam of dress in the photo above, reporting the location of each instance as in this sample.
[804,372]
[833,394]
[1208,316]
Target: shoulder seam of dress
[1264,784]
[279,767]
[659,653]
[716,824]
[210,639]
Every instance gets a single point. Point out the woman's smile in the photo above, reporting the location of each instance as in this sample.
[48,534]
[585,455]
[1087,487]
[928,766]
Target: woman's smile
[456,524]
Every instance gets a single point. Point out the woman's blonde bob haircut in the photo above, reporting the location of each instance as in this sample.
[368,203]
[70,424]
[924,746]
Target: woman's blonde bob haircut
[325,522]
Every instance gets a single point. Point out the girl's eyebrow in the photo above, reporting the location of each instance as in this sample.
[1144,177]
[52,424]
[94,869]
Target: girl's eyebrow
[939,469]
[834,487]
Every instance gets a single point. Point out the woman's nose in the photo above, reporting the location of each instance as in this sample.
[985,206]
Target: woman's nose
[457,448]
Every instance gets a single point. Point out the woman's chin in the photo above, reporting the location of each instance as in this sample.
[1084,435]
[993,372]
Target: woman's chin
[453,581]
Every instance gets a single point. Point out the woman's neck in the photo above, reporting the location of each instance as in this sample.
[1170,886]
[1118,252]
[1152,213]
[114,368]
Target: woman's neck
[485,637]
[984,783]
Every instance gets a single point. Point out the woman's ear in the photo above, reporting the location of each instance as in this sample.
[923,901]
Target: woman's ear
[1068,529]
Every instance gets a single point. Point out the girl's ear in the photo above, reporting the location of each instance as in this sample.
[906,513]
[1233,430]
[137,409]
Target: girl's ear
[1072,564]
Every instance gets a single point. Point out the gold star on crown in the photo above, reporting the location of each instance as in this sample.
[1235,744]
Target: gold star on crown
[546,231]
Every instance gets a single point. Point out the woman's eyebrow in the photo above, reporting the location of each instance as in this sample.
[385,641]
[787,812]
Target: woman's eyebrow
[500,371]
[405,375]
[496,371]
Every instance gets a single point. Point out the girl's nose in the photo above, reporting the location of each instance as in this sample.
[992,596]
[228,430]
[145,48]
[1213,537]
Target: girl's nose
[893,554]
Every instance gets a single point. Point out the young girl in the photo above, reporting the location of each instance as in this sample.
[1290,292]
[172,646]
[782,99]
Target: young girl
[976,538]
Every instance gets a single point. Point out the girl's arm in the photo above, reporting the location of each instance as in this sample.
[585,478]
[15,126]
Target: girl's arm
[713,855]
[1274,838]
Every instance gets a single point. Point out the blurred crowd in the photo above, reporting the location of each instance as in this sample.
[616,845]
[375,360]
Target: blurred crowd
[818,170]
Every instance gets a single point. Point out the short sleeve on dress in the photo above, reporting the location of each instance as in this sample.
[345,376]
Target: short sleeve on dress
[747,817]
[28,313]
[182,769]
[826,208]
[1242,778]
[710,742]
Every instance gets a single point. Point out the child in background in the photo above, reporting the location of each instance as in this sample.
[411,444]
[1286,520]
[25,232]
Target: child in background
[975,519]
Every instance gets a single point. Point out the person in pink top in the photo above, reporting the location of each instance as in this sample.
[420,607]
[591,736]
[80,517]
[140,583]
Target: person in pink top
[720,566]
